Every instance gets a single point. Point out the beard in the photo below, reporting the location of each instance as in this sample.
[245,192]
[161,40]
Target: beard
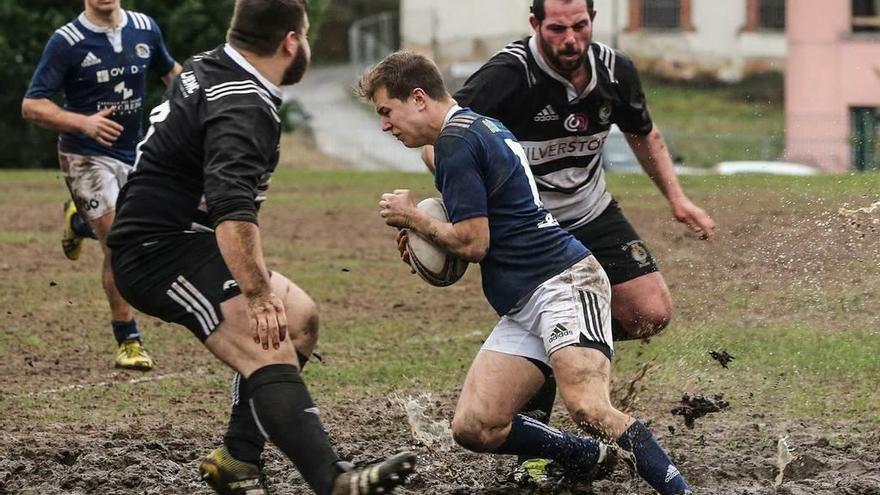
[297,68]
[555,59]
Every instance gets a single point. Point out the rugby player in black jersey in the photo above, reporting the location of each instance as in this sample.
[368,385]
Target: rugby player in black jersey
[559,93]
[186,249]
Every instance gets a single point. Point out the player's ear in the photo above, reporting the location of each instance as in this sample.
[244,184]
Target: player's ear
[534,22]
[593,15]
[290,42]
[420,97]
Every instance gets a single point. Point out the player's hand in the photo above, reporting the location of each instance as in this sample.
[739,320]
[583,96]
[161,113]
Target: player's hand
[402,240]
[398,208]
[100,128]
[694,217]
[267,319]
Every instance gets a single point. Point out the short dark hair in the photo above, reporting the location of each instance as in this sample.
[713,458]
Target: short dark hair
[400,73]
[541,14]
[259,26]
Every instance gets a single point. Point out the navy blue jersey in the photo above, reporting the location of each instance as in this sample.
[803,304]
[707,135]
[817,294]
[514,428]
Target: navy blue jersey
[98,68]
[482,171]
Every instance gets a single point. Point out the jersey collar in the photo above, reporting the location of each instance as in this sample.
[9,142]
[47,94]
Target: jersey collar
[569,88]
[240,60]
[102,29]
[454,109]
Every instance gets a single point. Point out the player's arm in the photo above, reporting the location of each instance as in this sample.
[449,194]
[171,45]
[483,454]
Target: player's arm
[167,78]
[467,239]
[653,155]
[650,148]
[45,113]
[240,138]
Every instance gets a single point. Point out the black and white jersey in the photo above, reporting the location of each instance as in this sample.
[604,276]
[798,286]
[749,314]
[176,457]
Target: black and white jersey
[208,155]
[562,131]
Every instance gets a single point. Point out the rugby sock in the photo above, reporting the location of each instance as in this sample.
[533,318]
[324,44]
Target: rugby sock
[540,406]
[652,463]
[81,227]
[125,330]
[243,439]
[533,439]
[285,414]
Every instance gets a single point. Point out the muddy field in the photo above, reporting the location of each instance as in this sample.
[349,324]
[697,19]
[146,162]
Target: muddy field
[794,261]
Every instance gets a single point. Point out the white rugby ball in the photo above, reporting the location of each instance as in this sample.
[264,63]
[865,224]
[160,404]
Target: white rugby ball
[435,265]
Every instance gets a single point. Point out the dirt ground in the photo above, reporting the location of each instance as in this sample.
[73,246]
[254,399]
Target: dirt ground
[731,452]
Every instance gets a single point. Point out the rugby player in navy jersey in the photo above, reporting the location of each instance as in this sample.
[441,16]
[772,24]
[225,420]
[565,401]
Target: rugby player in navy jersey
[186,248]
[551,293]
[559,93]
[100,61]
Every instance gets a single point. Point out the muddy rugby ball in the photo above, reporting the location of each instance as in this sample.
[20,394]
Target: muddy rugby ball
[435,265]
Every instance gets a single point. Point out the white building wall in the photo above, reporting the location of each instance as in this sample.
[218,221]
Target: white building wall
[472,30]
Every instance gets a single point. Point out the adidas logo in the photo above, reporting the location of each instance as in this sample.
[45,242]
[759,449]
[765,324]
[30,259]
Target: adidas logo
[90,60]
[547,115]
[671,473]
[559,331]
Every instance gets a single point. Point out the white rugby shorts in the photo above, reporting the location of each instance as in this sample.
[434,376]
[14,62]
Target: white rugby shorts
[94,182]
[572,308]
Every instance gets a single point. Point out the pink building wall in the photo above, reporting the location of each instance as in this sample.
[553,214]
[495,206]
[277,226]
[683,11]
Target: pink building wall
[828,70]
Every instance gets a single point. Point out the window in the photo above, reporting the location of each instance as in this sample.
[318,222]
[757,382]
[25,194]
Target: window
[662,14]
[865,138]
[866,15]
[772,14]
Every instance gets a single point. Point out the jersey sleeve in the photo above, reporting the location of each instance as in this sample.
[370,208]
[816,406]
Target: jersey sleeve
[51,71]
[162,62]
[240,141]
[459,178]
[493,89]
[631,114]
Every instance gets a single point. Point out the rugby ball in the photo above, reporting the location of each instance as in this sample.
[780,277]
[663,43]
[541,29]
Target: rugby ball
[435,265]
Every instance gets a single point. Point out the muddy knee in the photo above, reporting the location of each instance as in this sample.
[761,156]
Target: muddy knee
[478,436]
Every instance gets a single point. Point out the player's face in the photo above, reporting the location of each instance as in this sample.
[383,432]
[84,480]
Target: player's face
[301,59]
[566,34]
[403,119]
[103,6]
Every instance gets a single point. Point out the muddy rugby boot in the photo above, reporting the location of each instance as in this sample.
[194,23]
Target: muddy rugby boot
[532,471]
[229,476]
[376,479]
[131,355]
[71,243]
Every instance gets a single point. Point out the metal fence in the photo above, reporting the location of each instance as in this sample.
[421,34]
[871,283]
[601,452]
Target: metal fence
[372,38]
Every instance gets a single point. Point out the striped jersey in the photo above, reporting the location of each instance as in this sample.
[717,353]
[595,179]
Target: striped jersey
[209,153]
[481,170]
[97,68]
[562,131]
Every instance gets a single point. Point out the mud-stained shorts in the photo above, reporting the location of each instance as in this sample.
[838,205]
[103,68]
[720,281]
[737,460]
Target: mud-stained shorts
[94,182]
[572,308]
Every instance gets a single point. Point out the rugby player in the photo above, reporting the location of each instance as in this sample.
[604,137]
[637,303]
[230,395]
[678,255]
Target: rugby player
[551,293]
[559,93]
[100,61]
[186,248]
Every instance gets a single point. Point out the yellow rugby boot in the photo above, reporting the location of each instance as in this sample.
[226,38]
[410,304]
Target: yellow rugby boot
[376,479]
[71,243]
[131,355]
[229,476]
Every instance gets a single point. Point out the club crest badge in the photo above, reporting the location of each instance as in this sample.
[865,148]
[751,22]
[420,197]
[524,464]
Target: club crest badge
[639,253]
[142,50]
[605,114]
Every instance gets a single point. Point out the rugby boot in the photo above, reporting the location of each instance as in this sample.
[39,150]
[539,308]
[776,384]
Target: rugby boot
[71,243]
[376,479]
[531,471]
[131,355]
[609,457]
[229,476]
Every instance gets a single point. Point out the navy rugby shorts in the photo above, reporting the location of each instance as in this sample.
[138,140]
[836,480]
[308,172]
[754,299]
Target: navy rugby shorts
[180,279]
[616,244]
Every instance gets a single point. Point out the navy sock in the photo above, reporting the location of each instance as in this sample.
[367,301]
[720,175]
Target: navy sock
[652,463]
[81,227]
[540,406]
[243,439]
[284,412]
[532,439]
[125,330]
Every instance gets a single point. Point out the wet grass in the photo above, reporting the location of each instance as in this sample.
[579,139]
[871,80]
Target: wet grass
[804,332]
